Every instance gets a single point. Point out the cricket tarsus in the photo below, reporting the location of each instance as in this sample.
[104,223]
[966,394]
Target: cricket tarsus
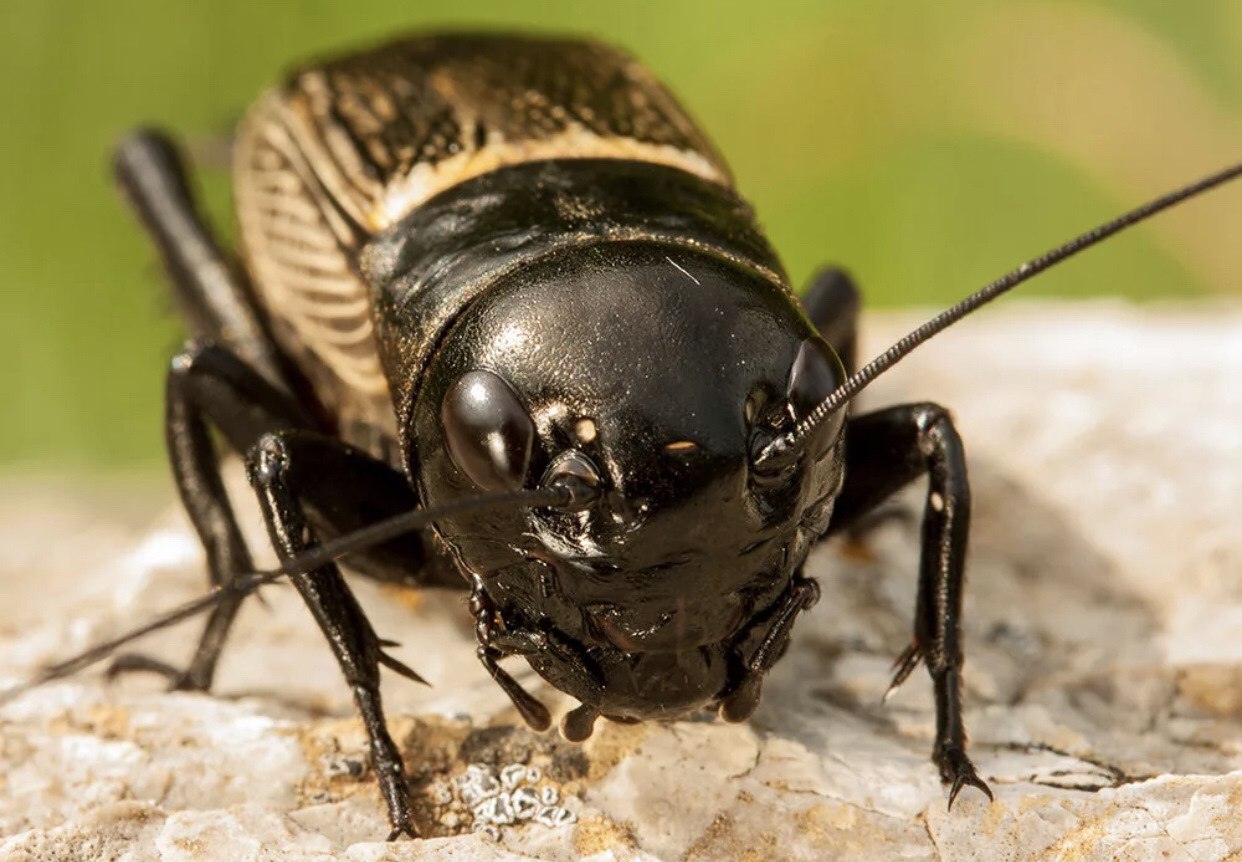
[958,772]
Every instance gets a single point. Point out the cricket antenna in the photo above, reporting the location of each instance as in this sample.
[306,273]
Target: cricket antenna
[859,380]
[571,495]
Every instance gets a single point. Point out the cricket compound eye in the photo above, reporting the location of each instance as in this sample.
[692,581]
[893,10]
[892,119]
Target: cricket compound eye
[488,431]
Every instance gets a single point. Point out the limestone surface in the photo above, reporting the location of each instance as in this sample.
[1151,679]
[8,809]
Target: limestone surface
[1103,685]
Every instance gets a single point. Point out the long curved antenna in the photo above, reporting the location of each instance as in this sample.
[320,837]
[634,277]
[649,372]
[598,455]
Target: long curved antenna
[374,534]
[854,384]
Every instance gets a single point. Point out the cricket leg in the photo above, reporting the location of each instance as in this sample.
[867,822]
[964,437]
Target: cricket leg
[886,451]
[285,469]
[208,287]
[832,301]
[208,386]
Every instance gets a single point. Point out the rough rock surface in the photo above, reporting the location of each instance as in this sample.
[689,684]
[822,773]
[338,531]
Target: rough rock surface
[1103,630]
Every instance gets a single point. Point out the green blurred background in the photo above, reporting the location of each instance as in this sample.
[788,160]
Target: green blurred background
[926,146]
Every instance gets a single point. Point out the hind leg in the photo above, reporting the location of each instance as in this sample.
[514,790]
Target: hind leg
[206,283]
[832,301]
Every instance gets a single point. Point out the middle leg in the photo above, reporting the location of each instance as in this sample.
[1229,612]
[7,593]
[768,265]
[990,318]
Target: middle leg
[207,387]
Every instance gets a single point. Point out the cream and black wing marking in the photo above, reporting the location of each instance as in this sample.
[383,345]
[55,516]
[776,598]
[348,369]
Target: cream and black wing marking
[299,238]
[348,147]
[412,118]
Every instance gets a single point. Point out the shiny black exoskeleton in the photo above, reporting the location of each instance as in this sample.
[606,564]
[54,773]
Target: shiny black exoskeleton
[433,312]
[654,367]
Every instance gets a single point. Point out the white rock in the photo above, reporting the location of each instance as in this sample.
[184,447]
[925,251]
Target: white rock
[1103,630]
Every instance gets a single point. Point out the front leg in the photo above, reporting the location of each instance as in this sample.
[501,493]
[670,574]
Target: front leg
[739,703]
[285,469]
[491,649]
[885,451]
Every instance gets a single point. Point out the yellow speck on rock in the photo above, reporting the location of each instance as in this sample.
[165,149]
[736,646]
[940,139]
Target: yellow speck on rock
[192,846]
[815,822]
[110,722]
[1214,688]
[725,840]
[610,744]
[597,834]
[1083,843]
[408,597]
[995,816]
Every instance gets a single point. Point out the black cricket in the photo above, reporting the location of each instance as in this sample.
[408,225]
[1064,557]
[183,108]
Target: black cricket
[503,287]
